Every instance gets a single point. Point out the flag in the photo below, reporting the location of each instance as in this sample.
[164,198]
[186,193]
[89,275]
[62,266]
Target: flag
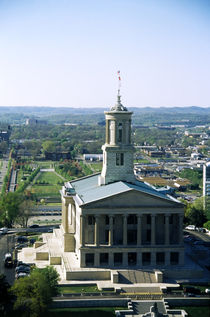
[118,73]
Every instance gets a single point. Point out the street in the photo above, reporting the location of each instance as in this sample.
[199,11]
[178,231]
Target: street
[7,243]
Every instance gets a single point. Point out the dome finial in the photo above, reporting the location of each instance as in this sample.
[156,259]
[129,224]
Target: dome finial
[118,106]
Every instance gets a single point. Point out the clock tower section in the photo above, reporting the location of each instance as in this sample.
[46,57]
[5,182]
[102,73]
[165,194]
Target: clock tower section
[118,149]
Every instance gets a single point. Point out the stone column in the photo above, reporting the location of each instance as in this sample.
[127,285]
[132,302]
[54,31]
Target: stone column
[125,230]
[66,222]
[97,230]
[82,231]
[125,259]
[167,258]
[167,237]
[107,131]
[153,233]
[96,259]
[111,230]
[139,218]
[153,258]
[139,259]
[181,257]
[111,259]
[181,229]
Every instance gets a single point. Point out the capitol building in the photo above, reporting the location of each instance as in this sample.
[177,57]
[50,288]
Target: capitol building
[112,222]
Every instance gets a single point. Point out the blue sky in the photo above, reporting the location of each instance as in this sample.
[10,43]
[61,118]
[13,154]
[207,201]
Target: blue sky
[68,52]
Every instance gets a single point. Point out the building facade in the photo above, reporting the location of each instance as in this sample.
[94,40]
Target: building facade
[112,220]
[206,185]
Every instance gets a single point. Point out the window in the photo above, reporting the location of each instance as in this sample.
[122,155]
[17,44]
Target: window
[120,132]
[146,258]
[174,258]
[132,258]
[132,236]
[160,258]
[148,219]
[119,159]
[104,258]
[91,220]
[118,258]
[107,220]
[89,259]
[132,220]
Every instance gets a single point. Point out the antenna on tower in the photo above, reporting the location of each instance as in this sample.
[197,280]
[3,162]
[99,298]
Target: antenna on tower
[119,82]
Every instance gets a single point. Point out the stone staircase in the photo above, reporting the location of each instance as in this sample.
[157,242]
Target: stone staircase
[51,250]
[136,276]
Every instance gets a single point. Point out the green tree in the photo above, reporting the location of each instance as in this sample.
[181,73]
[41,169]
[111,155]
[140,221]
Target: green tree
[5,297]
[9,208]
[25,212]
[49,146]
[195,216]
[34,293]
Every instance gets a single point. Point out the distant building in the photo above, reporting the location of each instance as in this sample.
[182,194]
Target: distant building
[93,157]
[32,121]
[57,156]
[206,184]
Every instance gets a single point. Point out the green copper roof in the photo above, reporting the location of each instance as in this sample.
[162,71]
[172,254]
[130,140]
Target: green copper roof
[88,190]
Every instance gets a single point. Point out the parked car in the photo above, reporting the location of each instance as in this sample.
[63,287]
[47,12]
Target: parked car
[19,246]
[190,227]
[34,226]
[207,290]
[32,241]
[201,230]
[21,274]
[4,230]
[22,268]
[22,239]
[8,261]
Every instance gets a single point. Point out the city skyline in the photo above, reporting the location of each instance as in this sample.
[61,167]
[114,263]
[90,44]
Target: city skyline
[68,53]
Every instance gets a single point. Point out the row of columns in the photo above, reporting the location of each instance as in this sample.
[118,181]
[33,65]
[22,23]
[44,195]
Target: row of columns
[125,225]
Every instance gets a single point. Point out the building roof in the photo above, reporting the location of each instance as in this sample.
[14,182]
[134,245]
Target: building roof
[88,190]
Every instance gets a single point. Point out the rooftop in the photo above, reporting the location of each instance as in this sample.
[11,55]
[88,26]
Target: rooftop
[88,190]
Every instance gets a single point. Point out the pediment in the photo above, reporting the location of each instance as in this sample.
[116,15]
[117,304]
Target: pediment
[133,198]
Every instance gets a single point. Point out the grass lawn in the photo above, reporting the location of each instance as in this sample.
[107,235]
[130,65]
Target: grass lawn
[45,164]
[49,177]
[51,188]
[97,167]
[79,289]
[83,312]
[201,287]
[197,311]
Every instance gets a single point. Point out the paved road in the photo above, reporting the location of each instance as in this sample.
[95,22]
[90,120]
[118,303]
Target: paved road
[7,243]
[200,235]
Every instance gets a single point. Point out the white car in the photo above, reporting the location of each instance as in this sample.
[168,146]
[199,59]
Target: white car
[4,230]
[207,290]
[190,227]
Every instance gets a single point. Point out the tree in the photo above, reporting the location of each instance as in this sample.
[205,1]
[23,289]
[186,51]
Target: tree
[195,216]
[25,212]
[52,277]
[48,146]
[34,293]
[5,297]
[9,208]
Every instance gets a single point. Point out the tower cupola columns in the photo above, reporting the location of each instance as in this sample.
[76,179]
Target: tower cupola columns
[118,149]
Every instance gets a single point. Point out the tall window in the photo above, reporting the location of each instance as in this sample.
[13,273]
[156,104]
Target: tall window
[120,132]
[119,159]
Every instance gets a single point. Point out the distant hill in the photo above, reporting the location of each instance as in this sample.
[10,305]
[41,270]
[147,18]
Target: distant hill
[44,111]
[142,116]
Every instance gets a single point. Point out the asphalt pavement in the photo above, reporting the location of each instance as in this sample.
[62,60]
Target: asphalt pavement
[7,244]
